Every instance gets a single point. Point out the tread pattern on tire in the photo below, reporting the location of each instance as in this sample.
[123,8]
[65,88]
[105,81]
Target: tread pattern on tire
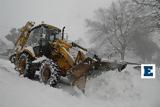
[54,76]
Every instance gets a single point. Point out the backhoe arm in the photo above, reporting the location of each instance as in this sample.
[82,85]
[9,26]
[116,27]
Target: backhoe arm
[76,45]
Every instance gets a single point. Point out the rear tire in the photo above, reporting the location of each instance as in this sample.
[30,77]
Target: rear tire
[12,58]
[22,62]
[49,73]
[24,66]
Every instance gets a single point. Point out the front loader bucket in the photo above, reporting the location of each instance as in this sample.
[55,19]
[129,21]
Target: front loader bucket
[79,73]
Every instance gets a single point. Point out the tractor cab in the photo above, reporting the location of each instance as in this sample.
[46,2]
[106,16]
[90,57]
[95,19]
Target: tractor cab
[43,32]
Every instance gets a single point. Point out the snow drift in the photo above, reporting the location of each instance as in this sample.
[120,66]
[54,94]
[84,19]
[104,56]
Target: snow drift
[112,89]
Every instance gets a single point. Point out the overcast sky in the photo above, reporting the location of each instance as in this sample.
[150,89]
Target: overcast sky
[69,13]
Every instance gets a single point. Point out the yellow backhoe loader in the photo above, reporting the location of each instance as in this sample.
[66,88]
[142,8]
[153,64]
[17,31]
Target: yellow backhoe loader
[44,48]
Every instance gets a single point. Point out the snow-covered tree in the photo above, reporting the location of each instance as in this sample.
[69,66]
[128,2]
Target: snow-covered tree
[115,25]
[154,10]
[13,35]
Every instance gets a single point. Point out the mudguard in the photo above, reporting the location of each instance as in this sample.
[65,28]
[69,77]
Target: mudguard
[29,50]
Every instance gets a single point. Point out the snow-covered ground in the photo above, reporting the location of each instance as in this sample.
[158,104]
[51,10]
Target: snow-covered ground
[112,89]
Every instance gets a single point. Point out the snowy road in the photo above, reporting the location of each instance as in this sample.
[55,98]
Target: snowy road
[113,89]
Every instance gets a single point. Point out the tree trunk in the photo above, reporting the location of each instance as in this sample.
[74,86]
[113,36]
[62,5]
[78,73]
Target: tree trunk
[123,53]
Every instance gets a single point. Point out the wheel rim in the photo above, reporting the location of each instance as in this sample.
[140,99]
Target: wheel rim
[22,65]
[46,73]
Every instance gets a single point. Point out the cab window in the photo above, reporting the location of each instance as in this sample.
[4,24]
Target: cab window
[35,36]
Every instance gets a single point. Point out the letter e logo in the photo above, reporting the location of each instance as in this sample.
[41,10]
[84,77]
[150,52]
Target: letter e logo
[148,71]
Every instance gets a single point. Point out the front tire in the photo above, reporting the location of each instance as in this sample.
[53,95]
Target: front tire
[49,73]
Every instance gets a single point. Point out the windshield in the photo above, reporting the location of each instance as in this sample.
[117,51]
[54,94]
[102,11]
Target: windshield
[42,32]
[35,36]
[53,35]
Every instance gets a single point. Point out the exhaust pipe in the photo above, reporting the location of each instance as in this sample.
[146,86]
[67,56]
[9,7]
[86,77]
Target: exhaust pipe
[63,32]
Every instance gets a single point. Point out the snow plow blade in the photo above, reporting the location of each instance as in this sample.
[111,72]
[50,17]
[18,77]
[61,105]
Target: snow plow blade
[89,67]
[78,74]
